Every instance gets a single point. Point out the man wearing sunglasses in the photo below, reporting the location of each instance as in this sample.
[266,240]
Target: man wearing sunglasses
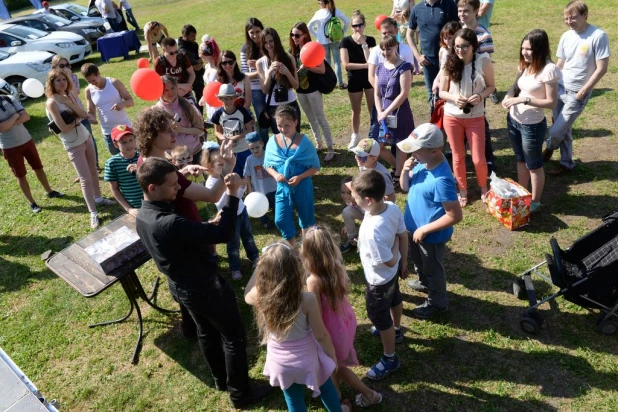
[176,65]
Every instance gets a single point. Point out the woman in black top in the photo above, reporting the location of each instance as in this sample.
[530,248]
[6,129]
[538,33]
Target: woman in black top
[354,51]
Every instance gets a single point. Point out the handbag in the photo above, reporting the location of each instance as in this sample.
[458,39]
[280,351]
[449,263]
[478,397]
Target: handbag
[437,117]
[264,117]
[68,117]
[326,82]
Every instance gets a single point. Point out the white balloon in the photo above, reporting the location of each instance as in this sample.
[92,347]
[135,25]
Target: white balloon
[257,204]
[33,88]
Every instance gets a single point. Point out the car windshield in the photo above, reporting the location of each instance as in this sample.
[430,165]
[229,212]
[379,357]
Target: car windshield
[25,32]
[77,9]
[4,56]
[55,20]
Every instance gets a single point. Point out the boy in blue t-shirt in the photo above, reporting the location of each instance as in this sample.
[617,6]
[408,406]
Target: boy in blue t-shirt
[258,179]
[120,170]
[431,211]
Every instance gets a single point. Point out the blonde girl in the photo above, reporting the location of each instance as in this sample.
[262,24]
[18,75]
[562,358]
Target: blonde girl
[328,281]
[299,350]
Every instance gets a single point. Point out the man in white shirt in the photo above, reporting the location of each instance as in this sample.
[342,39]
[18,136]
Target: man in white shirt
[129,13]
[106,8]
[583,56]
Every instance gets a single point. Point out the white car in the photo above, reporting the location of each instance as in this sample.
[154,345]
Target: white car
[17,67]
[71,46]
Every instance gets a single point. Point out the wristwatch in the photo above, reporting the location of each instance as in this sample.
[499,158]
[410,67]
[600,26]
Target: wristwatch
[365,46]
[527,101]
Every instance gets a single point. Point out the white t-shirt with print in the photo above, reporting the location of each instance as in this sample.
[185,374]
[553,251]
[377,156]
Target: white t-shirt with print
[580,51]
[376,237]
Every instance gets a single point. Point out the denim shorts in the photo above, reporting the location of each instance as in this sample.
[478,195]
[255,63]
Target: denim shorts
[527,141]
[380,299]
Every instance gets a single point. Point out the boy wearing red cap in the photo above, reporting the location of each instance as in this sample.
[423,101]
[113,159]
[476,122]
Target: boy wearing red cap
[120,170]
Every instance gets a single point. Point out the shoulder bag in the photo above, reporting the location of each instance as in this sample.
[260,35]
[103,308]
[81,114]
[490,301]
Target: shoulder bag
[264,117]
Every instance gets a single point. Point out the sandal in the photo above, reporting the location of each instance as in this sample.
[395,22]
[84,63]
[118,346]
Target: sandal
[365,402]
[463,200]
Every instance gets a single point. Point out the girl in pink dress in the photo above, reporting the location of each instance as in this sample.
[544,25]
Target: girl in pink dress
[299,351]
[327,279]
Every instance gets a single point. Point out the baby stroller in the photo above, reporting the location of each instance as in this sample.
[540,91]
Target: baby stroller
[586,273]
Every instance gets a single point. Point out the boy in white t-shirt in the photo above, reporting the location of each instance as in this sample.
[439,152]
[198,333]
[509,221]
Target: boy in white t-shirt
[383,249]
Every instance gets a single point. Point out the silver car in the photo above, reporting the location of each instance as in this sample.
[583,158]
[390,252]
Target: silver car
[50,23]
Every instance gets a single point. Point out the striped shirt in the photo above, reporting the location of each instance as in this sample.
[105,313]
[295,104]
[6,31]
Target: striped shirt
[486,42]
[116,171]
[244,67]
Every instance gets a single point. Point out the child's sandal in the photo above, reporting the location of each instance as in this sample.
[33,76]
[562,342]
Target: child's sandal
[364,402]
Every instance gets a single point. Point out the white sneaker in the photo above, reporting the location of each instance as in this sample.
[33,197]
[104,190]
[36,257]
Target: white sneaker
[94,221]
[104,202]
[354,139]
[236,275]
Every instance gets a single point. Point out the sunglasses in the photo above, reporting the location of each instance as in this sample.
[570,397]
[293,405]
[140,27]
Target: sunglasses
[227,62]
[171,53]
[362,159]
[63,66]
[296,35]
[358,26]
[184,159]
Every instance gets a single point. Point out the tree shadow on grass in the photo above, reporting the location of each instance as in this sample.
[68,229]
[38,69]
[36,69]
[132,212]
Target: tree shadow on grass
[461,365]
[15,275]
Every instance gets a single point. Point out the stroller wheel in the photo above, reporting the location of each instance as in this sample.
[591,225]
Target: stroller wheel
[531,322]
[519,288]
[607,327]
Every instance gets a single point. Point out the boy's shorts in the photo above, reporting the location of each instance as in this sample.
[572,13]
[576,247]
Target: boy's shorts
[380,299]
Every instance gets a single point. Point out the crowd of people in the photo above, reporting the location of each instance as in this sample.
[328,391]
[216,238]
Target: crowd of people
[162,166]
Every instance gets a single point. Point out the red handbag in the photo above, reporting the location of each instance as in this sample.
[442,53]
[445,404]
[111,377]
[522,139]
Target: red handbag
[438,113]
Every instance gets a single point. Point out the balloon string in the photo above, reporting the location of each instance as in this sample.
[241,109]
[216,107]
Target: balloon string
[302,66]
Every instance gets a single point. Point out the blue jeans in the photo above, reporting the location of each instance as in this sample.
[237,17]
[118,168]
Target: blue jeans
[258,99]
[527,141]
[295,397]
[241,158]
[110,144]
[271,205]
[430,72]
[561,132]
[333,48]
[112,23]
[244,232]
[131,18]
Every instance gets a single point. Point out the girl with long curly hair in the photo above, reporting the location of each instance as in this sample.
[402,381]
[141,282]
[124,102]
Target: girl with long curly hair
[328,281]
[299,351]
[468,79]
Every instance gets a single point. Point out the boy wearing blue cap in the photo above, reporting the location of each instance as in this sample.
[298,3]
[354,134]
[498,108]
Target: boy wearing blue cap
[258,179]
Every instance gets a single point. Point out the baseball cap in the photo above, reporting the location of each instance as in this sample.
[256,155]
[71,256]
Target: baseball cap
[366,147]
[253,137]
[426,136]
[119,131]
[226,90]
[45,4]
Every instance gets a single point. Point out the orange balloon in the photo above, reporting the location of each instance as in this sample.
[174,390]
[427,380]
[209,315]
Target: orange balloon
[147,84]
[312,54]
[379,19]
[143,63]
[210,94]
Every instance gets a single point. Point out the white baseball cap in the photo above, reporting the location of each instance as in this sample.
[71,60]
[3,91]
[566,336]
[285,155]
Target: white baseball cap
[366,147]
[426,136]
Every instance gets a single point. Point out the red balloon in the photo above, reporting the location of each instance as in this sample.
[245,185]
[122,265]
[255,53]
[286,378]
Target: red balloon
[210,94]
[379,19]
[312,54]
[147,84]
[143,63]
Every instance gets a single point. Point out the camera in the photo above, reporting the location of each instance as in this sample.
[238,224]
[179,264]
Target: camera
[391,121]
[280,93]
[466,109]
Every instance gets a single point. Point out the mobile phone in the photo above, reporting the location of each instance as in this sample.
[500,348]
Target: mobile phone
[176,118]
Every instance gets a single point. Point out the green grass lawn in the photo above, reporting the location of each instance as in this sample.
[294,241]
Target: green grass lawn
[475,357]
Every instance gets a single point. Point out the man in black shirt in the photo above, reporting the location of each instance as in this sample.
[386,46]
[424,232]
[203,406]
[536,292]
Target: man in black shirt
[174,243]
[188,46]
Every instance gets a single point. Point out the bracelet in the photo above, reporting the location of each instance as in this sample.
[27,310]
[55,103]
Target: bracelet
[365,46]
